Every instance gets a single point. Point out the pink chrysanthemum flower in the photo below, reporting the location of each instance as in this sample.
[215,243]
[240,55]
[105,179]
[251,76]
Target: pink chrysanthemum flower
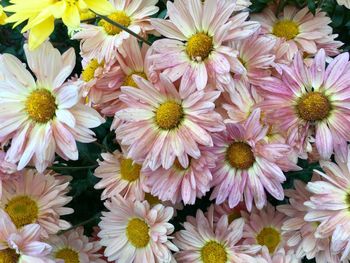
[159,126]
[300,234]
[279,256]
[182,183]
[133,232]
[340,245]
[299,28]
[312,98]
[43,116]
[247,164]
[263,227]
[73,246]
[120,175]
[37,198]
[194,49]
[202,241]
[101,41]
[21,245]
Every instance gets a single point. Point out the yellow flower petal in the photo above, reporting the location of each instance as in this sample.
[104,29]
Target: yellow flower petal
[71,16]
[39,33]
[3,16]
[101,7]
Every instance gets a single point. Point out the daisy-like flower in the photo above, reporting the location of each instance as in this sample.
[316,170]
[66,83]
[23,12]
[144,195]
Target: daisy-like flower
[263,227]
[159,126]
[300,234]
[43,116]
[41,15]
[182,183]
[299,28]
[21,245]
[194,49]
[312,99]
[120,175]
[37,198]
[202,241]
[73,246]
[279,256]
[247,164]
[134,232]
[101,41]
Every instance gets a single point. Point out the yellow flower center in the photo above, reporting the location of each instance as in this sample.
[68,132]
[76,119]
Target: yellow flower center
[269,237]
[169,115]
[233,216]
[137,233]
[285,28]
[68,255]
[89,71]
[152,200]
[213,252]
[22,210]
[129,81]
[313,106]
[129,170]
[8,256]
[240,155]
[41,105]
[119,17]
[199,46]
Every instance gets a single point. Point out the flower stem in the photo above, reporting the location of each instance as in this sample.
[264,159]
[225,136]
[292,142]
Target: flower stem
[88,221]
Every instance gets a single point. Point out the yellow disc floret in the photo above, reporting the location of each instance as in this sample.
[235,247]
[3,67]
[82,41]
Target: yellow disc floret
[8,256]
[41,105]
[129,81]
[269,237]
[22,210]
[313,106]
[285,28]
[120,17]
[129,170]
[240,156]
[90,69]
[68,255]
[137,233]
[213,252]
[199,46]
[169,115]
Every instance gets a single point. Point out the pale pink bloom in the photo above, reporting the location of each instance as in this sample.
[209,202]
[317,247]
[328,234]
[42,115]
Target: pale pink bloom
[300,234]
[133,232]
[279,256]
[299,28]
[242,4]
[231,213]
[179,183]
[74,246]
[158,126]
[120,176]
[263,227]
[340,245]
[21,245]
[42,116]
[8,171]
[345,3]
[203,241]
[312,100]
[38,198]
[194,49]
[101,41]
[247,164]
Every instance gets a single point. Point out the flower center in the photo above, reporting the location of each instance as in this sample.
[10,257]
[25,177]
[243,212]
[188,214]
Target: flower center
[313,106]
[129,81]
[41,105]
[199,46]
[269,237]
[285,28]
[213,252]
[68,255]
[120,17]
[169,115]
[129,170]
[8,256]
[89,71]
[233,216]
[22,210]
[137,233]
[152,200]
[240,155]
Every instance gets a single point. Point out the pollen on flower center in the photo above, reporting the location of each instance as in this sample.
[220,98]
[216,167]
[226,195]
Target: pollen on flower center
[169,115]
[120,17]
[313,106]
[240,155]
[213,252]
[285,28]
[89,71]
[129,170]
[68,255]
[199,46]
[129,81]
[41,105]
[152,200]
[269,237]
[8,256]
[22,210]
[137,233]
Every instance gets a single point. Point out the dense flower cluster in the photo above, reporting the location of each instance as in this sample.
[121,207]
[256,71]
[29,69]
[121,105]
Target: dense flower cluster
[206,101]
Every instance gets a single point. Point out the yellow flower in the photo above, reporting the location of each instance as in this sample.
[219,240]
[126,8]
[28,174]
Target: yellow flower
[40,15]
[3,16]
